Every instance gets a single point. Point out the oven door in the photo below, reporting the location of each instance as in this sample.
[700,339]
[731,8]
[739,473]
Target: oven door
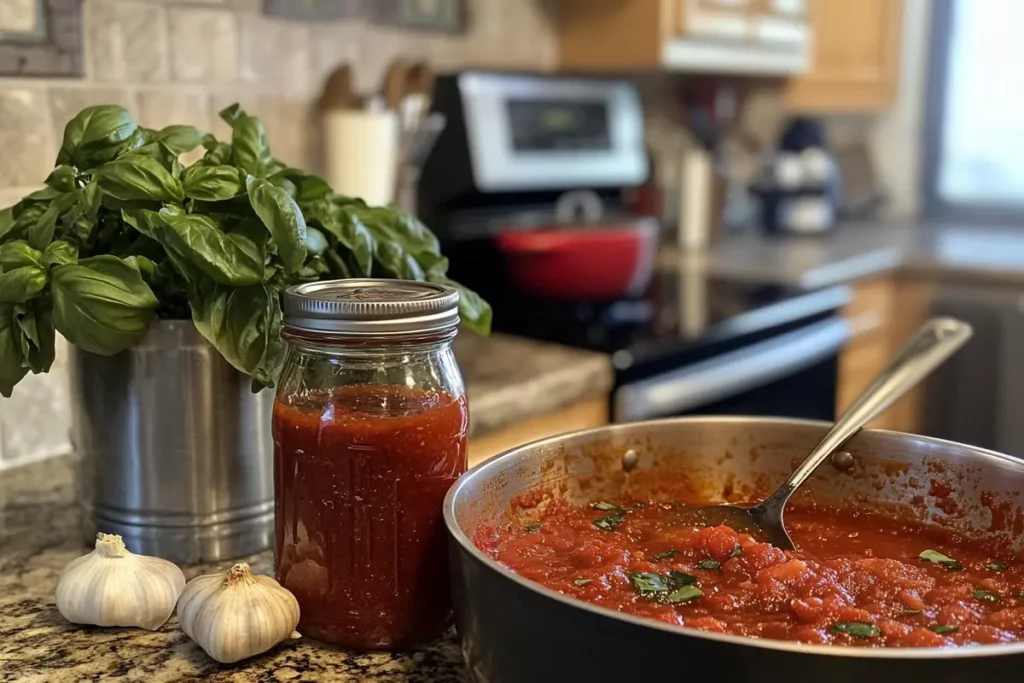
[791,375]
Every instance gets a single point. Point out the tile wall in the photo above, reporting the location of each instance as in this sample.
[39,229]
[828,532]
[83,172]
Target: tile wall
[181,61]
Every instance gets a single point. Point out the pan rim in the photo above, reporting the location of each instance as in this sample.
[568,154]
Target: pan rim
[852,651]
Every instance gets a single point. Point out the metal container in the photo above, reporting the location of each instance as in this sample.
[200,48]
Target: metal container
[516,631]
[176,454]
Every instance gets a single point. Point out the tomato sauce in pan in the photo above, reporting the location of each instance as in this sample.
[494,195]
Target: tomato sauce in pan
[859,578]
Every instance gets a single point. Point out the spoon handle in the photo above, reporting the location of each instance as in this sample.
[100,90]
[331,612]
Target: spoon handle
[936,341]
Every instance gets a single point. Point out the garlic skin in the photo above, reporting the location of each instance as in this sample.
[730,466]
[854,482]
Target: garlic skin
[237,614]
[112,586]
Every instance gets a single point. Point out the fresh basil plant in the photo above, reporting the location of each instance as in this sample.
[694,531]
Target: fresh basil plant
[123,234]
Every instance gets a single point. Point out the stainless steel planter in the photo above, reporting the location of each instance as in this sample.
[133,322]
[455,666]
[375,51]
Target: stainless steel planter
[176,453]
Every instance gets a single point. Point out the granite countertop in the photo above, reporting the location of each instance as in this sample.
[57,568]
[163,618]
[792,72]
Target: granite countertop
[856,250]
[511,379]
[508,380]
[40,534]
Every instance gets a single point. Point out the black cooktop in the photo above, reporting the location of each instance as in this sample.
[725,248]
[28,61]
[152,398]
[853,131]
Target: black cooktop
[683,318]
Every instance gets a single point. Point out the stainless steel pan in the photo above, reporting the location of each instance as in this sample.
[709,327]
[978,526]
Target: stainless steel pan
[515,631]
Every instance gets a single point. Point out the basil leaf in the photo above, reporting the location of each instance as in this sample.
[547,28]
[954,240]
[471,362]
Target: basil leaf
[60,253]
[137,177]
[349,230]
[664,555]
[944,628]
[308,187]
[243,323]
[234,258]
[35,320]
[102,305]
[647,583]
[531,528]
[212,183]
[147,222]
[856,629]
[231,113]
[607,507]
[397,227]
[583,582]
[316,243]
[610,522]
[22,284]
[677,579]
[96,135]
[62,179]
[179,139]
[6,221]
[996,566]
[282,217]
[936,557]
[217,154]
[81,218]
[13,366]
[709,564]
[736,552]
[988,596]
[249,145]
[684,594]
[19,255]
[476,313]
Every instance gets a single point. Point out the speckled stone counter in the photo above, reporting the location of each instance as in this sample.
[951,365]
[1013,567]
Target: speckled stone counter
[39,535]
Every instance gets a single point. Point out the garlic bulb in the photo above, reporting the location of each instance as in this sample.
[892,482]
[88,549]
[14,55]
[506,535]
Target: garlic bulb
[237,614]
[114,587]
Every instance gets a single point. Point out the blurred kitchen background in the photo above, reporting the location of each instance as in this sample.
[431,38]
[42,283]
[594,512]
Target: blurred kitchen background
[747,205]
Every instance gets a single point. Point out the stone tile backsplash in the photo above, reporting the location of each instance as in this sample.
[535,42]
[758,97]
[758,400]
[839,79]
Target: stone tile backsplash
[181,61]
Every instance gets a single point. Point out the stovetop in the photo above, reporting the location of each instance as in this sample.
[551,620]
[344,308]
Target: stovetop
[684,317]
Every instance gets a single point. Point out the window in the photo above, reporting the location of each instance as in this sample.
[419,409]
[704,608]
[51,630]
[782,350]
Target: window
[976,110]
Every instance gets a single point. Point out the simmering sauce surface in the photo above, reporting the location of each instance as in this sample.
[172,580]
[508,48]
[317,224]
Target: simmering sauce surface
[858,578]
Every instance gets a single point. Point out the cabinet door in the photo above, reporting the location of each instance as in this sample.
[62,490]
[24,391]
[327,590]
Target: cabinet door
[855,56]
[714,18]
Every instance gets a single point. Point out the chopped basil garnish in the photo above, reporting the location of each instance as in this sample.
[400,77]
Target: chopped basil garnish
[996,566]
[709,564]
[531,528]
[944,628]
[985,595]
[684,594]
[647,583]
[736,552]
[583,582]
[857,629]
[607,507]
[936,557]
[610,522]
[664,555]
[677,579]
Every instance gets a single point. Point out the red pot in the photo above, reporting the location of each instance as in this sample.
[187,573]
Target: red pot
[582,262]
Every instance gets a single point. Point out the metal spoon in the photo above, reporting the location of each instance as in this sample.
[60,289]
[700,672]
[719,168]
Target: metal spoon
[935,342]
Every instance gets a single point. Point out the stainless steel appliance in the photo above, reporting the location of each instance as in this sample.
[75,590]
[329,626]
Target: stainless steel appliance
[516,150]
[175,448]
[516,631]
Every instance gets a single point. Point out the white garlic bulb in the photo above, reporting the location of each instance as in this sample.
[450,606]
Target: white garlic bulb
[112,586]
[237,614]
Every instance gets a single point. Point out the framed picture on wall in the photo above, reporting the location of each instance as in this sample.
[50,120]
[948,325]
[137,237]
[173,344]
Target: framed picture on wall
[448,16]
[41,38]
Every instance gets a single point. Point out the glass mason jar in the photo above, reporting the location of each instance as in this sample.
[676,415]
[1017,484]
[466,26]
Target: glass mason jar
[369,426]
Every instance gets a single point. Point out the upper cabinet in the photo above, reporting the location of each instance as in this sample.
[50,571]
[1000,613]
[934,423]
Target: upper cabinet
[714,36]
[855,57]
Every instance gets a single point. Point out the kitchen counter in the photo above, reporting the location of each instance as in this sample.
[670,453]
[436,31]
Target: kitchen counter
[39,535]
[512,379]
[854,251]
[508,380]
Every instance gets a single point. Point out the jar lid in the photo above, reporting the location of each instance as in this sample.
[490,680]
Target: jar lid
[371,307]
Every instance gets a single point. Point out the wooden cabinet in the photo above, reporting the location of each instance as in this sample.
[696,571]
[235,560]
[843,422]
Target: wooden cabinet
[884,313]
[712,36]
[855,57]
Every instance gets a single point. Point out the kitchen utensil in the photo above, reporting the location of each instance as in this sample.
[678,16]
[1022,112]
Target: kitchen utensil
[935,342]
[396,83]
[415,150]
[338,92]
[587,262]
[361,150]
[176,452]
[516,631]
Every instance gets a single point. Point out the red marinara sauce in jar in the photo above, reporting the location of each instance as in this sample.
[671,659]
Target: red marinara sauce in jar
[369,426]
